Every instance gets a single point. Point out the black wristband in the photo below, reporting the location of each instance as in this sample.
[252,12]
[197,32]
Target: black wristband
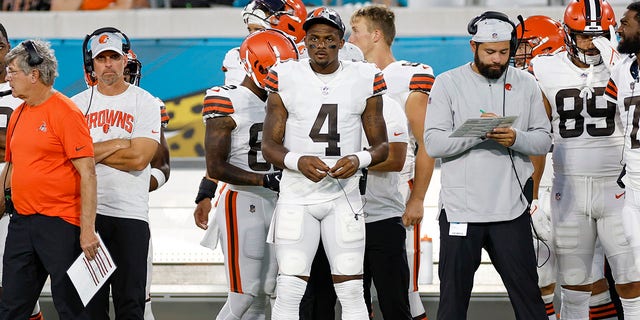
[207,189]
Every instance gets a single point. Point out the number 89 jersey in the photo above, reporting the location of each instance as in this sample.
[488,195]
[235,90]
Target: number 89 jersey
[324,119]
[587,138]
[247,111]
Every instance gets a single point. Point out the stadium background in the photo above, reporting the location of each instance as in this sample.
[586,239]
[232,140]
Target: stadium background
[182,49]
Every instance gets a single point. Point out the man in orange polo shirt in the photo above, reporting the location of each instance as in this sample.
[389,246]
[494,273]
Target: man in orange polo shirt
[49,157]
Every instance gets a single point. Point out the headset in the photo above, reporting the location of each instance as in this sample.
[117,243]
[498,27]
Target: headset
[34,57]
[472,27]
[87,55]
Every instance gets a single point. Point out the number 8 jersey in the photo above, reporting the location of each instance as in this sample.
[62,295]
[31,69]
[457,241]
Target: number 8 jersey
[324,120]
[587,138]
[247,111]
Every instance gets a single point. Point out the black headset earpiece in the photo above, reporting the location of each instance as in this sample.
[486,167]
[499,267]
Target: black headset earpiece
[86,51]
[34,57]
[472,27]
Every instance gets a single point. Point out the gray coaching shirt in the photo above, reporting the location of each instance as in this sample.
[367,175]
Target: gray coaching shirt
[478,182]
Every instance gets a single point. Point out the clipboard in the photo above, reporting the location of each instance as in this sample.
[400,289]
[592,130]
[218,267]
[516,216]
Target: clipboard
[478,127]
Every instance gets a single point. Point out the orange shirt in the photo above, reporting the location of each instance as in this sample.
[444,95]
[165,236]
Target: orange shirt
[41,141]
[95,4]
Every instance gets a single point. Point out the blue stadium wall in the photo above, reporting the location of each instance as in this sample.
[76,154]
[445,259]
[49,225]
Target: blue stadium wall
[175,67]
[180,70]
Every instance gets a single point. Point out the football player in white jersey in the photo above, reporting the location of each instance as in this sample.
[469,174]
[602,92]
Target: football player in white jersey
[8,103]
[385,253]
[586,204]
[622,89]
[234,118]
[160,165]
[284,15]
[543,35]
[125,126]
[409,84]
[316,110]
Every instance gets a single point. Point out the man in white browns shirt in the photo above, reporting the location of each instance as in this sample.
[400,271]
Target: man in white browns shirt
[124,123]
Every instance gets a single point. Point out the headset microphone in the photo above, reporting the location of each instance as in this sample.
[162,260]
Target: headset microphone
[5,93]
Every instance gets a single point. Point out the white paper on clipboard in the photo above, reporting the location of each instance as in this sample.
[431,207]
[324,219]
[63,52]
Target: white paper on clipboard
[89,276]
[478,127]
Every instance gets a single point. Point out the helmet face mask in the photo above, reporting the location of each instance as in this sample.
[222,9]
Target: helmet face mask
[284,15]
[584,19]
[133,69]
[523,55]
[254,13]
[541,35]
[290,19]
[270,6]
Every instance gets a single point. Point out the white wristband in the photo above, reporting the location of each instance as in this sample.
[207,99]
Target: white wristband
[291,160]
[159,175]
[364,157]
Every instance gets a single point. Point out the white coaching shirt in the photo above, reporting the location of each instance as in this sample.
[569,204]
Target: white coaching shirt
[324,120]
[402,78]
[131,114]
[247,111]
[586,135]
[383,200]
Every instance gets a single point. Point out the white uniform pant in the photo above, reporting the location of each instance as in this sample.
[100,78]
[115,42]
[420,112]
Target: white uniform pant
[297,230]
[584,209]
[631,221]
[243,219]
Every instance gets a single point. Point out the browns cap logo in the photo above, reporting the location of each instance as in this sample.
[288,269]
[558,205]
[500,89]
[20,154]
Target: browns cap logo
[103,38]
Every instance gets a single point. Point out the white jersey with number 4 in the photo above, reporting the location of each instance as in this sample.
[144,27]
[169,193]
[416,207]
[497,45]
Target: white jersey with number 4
[587,137]
[247,111]
[324,120]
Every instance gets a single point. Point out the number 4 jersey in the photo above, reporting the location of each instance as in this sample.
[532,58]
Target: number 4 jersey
[324,120]
[587,138]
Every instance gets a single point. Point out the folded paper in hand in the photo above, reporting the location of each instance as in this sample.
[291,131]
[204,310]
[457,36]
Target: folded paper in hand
[479,127]
[88,276]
